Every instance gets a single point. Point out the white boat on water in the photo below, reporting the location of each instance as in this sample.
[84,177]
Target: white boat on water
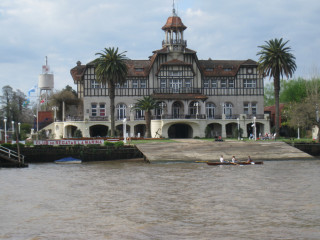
[68,160]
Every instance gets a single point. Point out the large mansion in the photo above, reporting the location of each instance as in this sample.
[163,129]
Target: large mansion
[197,98]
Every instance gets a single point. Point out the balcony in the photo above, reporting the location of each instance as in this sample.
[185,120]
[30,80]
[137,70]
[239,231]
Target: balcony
[177,90]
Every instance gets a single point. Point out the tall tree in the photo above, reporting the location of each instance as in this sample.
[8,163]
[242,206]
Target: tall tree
[147,103]
[111,69]
[275,61]
[67,96]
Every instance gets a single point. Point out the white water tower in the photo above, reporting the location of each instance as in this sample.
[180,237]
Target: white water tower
[46,82]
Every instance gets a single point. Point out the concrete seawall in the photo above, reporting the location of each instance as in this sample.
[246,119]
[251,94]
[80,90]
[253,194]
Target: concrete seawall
[193,150]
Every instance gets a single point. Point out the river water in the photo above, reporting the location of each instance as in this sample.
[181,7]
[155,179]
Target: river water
[136,200]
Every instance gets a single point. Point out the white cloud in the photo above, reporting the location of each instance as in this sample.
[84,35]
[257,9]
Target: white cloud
[68,31]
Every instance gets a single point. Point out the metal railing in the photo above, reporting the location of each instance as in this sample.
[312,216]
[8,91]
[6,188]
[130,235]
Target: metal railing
[11,154]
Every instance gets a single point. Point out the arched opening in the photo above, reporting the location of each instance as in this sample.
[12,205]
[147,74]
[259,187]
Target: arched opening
[121,111]
[177,110]
[213,130]
[119,130]
[70,130]
[194,109]
[180,130]
[140,130]
[210,110]
[98,131]
[260,129]
[231,130]
[227,110]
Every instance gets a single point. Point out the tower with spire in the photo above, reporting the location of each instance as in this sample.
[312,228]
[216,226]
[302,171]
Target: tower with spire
[174,29]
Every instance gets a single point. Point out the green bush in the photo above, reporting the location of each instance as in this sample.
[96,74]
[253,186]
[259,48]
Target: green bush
[108,144]
[20,145]
[7,145]
[78,133]
[118,144]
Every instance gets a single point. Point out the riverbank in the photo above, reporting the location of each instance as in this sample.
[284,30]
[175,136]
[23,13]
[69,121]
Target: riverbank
[179,150]
[195,150]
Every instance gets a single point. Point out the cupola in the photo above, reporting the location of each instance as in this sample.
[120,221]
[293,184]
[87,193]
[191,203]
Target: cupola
[174,33]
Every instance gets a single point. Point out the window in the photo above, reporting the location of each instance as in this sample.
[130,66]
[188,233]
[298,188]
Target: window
[194,108]
[139,114]
[227,110]
[159,109]
[210,110]
[175,73]
[227,69]
[214,84]
[163,83]
[134,83]
[188,83]
[176,84]
[209,69]
[124,85]
[223,83]
[121,111]
[249,83]
[254,108]
[176,110]
[249,70]
[246,108]
[139,69]
[231,83]
[94,109]
[102,110]
[95,84]
[206,83]
[143,83]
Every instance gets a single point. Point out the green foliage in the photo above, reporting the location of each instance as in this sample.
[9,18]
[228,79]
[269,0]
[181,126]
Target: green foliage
[276,60]
[147,103]
[78,133]
[118,144]
[108,144]
[293,90]
[111,69]
[235,133]
[7,145]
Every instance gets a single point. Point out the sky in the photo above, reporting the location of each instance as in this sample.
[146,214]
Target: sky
[67,31]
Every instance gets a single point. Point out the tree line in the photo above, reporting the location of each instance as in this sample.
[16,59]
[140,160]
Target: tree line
[301,98]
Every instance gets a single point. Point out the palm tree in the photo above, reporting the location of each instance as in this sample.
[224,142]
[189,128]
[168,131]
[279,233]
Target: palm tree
[111,69]
[276,60]
[146,104]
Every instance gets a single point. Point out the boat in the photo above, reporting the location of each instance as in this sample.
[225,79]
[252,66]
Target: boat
[68,160]
[230,163]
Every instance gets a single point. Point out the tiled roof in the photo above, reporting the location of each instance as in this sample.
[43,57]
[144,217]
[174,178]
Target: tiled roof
[135,67]
[228,68]
[174,62]
[77,72]
[174,22]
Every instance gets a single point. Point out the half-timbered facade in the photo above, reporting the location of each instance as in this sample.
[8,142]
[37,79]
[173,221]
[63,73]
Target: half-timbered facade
[196,97]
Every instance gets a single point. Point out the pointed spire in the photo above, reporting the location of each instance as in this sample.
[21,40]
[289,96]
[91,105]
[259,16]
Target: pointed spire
[173,10]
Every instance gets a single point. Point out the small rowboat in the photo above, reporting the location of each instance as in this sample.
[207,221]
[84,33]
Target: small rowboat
[68,160]
[238,163]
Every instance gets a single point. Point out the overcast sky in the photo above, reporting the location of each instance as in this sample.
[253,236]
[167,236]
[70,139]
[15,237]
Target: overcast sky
[70,30]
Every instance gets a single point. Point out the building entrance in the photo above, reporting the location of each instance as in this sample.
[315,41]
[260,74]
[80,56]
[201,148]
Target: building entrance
[98,131]
[180,130]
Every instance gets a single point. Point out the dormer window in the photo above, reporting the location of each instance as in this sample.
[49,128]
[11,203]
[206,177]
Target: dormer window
[209,69]
[227,69]
[139,69]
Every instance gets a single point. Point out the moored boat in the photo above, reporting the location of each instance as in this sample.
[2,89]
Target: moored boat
[238,163]
[68,160]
